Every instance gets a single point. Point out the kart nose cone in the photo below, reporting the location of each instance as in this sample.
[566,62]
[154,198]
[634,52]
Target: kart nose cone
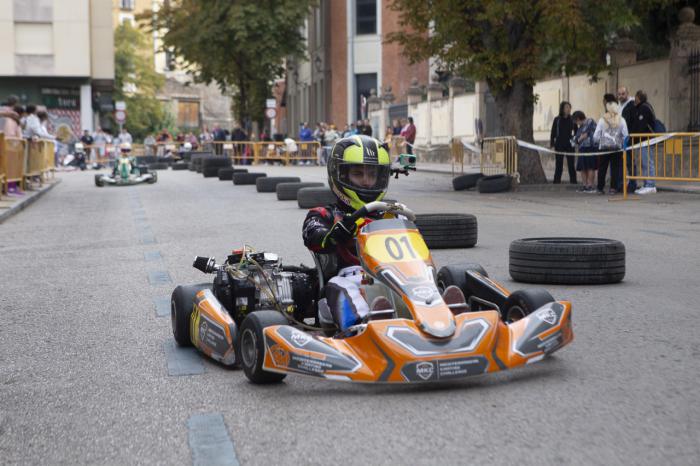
[439,328]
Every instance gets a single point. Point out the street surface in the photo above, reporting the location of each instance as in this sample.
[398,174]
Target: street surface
[84,359]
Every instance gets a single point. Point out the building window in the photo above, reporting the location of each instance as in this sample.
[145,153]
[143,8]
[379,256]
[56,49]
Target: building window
[187,114]
[126,4]
[363,84]
[365,17]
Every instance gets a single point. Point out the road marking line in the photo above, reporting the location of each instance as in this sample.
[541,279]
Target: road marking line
[152,256]
[210,441]
[182,361]
[148,239]
[162,304]
[159,277]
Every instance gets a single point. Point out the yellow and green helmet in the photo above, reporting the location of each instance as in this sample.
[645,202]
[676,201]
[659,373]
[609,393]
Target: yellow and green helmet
[349,153]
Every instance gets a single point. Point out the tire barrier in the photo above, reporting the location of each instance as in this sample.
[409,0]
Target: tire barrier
[180,166]
[211,165]
[442,231]
[467,181]
[269,184]
[288,191]
[247,178]
[567,261]
[308,198]
[494,184]
[157,166]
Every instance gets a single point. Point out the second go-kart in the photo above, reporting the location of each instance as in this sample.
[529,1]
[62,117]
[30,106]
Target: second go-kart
[126,173]
[452,324]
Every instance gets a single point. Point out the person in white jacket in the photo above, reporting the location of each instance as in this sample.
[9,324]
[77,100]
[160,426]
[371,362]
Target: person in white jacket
[610,135]
[34,129]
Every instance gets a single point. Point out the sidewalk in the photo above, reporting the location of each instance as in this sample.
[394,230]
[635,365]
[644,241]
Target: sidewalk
[446,169]
[11,205]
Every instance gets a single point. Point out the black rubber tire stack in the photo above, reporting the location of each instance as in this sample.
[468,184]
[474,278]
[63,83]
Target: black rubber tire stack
[494,184]
[246,178]
[442,231]
[567,261]
[158,166]
[308,198]
[269,184]
[180,166]
[288,191]
[468,181]
[211,165]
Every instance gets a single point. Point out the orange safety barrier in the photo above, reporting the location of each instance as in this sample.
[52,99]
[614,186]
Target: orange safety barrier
[12,160]
[662,157]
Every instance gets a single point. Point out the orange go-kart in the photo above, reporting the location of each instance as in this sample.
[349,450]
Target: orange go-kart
[445,325]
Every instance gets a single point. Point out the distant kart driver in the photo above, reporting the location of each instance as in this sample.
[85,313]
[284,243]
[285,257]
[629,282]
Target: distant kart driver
[124,165]
[358,173]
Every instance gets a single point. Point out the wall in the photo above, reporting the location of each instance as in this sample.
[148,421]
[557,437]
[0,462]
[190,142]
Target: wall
[652,77]
[102,40]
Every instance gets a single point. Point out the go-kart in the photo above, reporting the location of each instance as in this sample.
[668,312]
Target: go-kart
[126,173]
[453,324]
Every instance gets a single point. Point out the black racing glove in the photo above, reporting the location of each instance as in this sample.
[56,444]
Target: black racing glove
[342,231]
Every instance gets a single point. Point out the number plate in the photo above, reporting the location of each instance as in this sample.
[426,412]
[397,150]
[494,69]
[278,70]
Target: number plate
[404,247]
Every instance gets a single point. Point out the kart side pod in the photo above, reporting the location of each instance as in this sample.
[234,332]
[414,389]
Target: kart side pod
[212,329]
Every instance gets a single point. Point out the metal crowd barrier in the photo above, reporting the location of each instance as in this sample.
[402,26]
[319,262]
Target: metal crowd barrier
[499,155]
[662,157]
[13,160]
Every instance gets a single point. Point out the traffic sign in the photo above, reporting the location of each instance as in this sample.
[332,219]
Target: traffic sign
[120,116]
[270,113]
[120,105]
[270,103]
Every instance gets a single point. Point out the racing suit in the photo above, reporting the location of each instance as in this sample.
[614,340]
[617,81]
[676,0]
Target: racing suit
[343,304]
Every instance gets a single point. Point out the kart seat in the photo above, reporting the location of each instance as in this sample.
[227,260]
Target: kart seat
[455,300]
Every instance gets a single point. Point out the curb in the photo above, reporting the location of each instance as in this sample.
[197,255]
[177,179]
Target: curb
[24,203]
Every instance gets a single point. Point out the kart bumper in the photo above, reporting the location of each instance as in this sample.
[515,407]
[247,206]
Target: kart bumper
[396,351]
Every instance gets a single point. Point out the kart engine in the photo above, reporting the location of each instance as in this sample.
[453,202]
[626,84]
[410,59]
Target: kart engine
[250,281]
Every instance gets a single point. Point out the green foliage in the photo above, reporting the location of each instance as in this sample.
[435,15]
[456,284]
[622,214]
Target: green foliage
[239,44]
[137,83]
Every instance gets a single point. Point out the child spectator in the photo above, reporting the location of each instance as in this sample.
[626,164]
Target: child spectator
[586,164]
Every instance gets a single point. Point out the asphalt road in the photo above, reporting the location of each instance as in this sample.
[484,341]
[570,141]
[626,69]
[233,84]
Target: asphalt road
[83,365]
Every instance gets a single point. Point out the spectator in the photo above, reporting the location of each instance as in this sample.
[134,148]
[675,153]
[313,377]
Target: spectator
[409,134]
[219,136]
[388,134]
[7,110]
[149,144]
[88,141]
[560,139]
[397,127]
[610,134]
[330,138]
[305,133]
[100,140]
[34,127]
[587,165]
[628,112]
[12,126]
[645,123]
[239,149]
[123,137]
[366,128]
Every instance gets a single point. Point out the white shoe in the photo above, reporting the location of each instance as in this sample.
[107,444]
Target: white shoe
[646,190]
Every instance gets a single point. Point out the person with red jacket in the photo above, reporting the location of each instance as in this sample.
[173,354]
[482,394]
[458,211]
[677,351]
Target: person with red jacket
[409,134]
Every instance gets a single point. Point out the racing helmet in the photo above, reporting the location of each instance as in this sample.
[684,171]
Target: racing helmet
[79,147]
[125,147]
[187,147]
[354,188]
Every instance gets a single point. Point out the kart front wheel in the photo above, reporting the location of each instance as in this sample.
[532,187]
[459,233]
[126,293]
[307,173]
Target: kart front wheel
[98,180]
[252,346]
[522,303]
[181,307]
[154,178]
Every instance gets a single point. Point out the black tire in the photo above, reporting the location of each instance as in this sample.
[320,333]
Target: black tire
[180,166]
[98,180]
[448,230]
[225,174]
[251,343]
[457,275]
[240,170]
[218,162]
[308,198]
[158,166]
[210,172]
[494,184]
[143,169]
[269,184]
[522,303]
[467,181]
[181,306]
[567,261]
[153,179]
[246,178]
[288,191]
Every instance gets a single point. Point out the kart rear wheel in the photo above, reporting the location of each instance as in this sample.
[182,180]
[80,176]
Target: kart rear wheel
[98,181]
[522,303]
[181,306]
[153,179]
[251,354]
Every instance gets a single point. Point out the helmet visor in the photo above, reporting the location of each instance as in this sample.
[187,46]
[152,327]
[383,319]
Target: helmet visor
[364,177]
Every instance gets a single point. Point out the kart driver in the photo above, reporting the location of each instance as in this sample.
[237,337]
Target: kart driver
[358,173]
[123,167]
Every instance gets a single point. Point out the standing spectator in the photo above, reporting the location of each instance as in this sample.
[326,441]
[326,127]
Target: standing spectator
[305,133]
[88,141]
[100,139]
[330,138]
[34,127]
[149,144]
[409,134]
[12,126]
[219,137]
[388,134]
[560,139]
[123,137]
[586,164]
[628,112]
[205,139]
[239,149]
[645,123]
[610,134]
[7,109]
[397,127]
[366,128]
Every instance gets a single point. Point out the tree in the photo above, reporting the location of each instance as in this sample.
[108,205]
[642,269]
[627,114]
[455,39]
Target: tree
[137,83]
[239,44]
[511,44]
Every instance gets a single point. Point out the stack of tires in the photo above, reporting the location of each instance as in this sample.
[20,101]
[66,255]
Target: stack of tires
[444,231]
[308,198]
[211,165]
[289,191]
[247,178]
[483,184]
[226,174]
[269,184]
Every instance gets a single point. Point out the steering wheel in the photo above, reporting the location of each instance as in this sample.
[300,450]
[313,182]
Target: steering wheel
[383,206]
